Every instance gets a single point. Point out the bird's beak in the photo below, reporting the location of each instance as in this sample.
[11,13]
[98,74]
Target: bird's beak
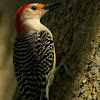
[48,6]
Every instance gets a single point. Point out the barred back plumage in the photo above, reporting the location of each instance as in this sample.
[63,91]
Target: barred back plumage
[33,60]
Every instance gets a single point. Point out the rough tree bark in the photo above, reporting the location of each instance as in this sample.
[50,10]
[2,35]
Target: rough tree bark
[77,39]
[75,25]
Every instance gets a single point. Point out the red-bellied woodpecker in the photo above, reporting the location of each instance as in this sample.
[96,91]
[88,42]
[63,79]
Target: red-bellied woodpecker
[34,52]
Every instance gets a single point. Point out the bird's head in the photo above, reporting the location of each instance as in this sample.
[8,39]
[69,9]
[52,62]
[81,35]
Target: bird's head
[29,12]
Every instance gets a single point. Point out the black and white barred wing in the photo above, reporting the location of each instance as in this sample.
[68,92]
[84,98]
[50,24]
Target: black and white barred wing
[45,57]
[33,59]
[45,52]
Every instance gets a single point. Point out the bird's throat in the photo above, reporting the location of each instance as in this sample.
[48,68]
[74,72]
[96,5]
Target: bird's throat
[33,25]
[30,26]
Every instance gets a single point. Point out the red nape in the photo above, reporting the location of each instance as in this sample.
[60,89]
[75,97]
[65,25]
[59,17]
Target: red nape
[19,25]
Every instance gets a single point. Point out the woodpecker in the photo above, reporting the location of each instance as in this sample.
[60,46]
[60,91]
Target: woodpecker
[34,55]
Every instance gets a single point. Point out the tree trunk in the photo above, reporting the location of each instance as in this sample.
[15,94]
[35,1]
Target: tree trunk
[75,25]
[76,28]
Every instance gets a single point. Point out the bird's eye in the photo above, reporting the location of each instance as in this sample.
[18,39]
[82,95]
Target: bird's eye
[34,7]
